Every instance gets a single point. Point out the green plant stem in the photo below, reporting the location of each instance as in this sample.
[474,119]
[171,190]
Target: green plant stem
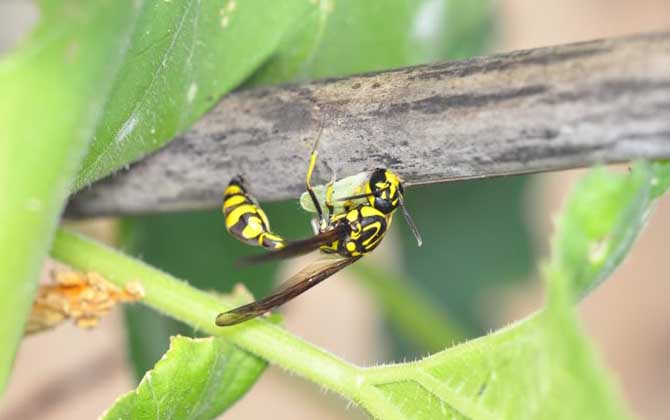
[199,309]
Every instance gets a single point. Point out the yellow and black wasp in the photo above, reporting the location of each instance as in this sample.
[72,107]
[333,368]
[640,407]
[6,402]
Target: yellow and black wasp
[350,234]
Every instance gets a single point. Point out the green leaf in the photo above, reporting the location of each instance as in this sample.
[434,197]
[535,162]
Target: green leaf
[182,56]
[518,372]
[602,219]
[541,368]
[196,379]
[660,179]
[53,89]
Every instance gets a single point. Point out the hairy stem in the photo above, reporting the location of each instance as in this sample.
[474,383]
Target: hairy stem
[177,299]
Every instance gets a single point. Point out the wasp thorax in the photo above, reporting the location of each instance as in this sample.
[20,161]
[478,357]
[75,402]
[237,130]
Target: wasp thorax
[384,188]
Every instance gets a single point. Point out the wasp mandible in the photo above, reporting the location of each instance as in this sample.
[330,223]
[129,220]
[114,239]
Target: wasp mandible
[349,234]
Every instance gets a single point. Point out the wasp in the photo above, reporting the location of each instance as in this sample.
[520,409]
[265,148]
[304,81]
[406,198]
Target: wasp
[348,234]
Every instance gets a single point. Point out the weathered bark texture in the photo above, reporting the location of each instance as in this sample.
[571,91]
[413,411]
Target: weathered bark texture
[527,111]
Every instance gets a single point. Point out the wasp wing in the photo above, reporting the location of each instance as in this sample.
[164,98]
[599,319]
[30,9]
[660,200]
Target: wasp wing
[299,247]
[298,284]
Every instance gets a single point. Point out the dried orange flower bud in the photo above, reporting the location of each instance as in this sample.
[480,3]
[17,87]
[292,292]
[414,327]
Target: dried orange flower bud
[82,297]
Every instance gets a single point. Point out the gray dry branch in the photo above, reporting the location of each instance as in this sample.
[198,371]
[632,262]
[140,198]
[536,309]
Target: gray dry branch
[527,111]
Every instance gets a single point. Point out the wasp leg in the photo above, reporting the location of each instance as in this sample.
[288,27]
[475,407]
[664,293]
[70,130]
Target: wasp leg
[315,225]
[310,170]
[329,196]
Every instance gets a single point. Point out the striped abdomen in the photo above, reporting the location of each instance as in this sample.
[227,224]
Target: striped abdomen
[367,227]
[245,220]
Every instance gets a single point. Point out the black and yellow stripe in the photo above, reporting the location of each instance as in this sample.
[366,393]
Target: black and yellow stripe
[366,228]
[245,219]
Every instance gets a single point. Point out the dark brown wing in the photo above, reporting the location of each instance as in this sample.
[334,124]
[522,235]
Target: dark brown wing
[299,283]
[296,248]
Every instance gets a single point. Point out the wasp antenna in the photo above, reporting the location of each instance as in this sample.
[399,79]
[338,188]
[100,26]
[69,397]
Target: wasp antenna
[318,136]
[414,184]
[333,176]
[410,221]
[433,181]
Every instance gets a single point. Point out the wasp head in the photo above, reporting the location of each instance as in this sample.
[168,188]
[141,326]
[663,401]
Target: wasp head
[384,190]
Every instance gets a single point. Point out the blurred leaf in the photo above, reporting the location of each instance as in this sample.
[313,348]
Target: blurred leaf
[410,313]
[474,237]
[354,36]
[660,179]
[195,246]
[599,224]
[195,380]
[53,89]
[182,56]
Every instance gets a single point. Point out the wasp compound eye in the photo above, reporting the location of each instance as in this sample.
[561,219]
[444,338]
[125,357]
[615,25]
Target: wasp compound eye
[378,181]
